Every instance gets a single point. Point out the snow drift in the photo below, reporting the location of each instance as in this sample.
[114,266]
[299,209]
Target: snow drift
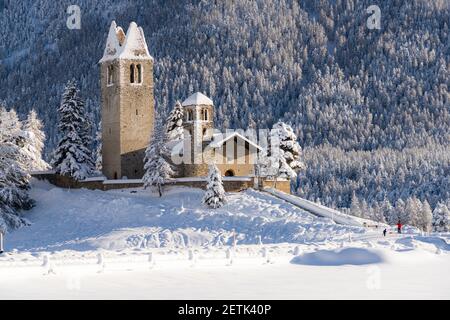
[348,256]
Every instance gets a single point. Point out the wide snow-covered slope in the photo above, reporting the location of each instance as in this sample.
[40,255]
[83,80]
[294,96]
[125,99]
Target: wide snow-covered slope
[353,263]
[114,220]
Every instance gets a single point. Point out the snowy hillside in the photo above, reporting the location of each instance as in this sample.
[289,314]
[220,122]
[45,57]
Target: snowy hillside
[94,244]
[114,220]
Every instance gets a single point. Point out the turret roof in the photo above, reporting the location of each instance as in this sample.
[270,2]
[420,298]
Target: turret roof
[197,99]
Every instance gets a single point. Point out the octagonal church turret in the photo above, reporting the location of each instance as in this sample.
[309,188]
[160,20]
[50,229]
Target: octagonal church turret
[199,123]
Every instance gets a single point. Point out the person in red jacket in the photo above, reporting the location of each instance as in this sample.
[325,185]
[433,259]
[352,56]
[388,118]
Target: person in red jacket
[399,227]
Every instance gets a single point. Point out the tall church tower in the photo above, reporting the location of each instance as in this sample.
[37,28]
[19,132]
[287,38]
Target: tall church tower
[126,78]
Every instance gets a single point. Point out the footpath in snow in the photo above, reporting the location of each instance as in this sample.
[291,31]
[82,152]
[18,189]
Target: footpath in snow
[323,211]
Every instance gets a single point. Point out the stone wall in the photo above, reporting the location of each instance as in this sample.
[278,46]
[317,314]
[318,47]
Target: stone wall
[282,185]
[230,184]
[195,170]
[69,183]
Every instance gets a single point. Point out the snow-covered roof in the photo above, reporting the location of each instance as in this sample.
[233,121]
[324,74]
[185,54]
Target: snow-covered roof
[129,46]
[197,99]
[219,139]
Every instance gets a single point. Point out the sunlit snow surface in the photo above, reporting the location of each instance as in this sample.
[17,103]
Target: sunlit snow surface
[130,244]
[86,220]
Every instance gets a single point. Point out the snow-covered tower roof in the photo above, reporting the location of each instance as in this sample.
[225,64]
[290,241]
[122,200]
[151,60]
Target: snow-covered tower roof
[197,99]
[129,46]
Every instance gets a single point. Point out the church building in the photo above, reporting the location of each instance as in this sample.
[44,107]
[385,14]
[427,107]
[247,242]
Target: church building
[128,112]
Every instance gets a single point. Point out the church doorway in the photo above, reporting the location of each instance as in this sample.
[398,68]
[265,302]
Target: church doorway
[229,173]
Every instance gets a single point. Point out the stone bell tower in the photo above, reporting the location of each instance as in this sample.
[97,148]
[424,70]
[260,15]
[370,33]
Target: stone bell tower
[198,122]
[126,79]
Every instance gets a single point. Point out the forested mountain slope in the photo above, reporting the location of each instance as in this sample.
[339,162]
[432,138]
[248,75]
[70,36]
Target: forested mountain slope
[313,64]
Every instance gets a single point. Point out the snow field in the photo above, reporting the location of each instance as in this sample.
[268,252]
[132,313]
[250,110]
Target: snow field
[131,244]
[134,218]
[406,272]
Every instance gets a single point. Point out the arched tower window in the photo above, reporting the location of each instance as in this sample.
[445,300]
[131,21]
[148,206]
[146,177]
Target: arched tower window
[136,74]
[110,75]
[190,115]
[132,74]
[205,114]
[139,73]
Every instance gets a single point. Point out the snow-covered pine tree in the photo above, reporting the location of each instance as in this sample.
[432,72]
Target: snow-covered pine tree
[377,213]
[441,218]
[14,186]
[158,169]
[266,166]
[414,210]
[401,212]
[396,212]
[174,123]
[355,207]
[174,132]
[272,163]
[73,156]
[289,145]
[388,212]
[285,150]
[365,210]
[14,180]
[12,132]
[426,217]
[215,193]
[98,150]
[34,142]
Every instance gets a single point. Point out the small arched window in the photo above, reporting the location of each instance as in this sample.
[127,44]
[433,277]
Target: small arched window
[190,115]
[132,74]
[110,75]
[204,131]
[205,114]
[229,173]
[139,73]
